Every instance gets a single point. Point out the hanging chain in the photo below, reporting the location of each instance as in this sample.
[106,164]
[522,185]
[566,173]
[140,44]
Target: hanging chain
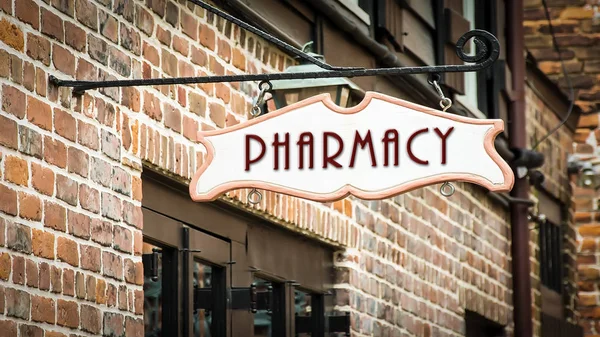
[255,197]
[447,189]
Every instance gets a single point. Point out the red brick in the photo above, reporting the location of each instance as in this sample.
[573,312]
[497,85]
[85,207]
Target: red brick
[43,309]
[8,133]
[54,334]
[169,63]
[42,179]
[123,240]
[207,37]
[197,104]
[65,124]
[90,258]
[29,76]
[9,327]
[144,21]
[13,101]
[67,251]
[151,54]
[64,60]
[32,273]
[18,267]
[112,265]
[55,152]
[68,282]
[189,25]
[86,71]
[138,242]
[224,51]
[89,198]
[30,207]
[52,25]
[199,56]
[6,6]
[217,114]
[78,162]
[90,319]
[16,69]
[181,45]
[75,36]
[125,133]
[11,35]
[109,27]
[130,39]
[56,279]
[41,84]
[29,12]
[16,170]
[163,35]
[43,244]
[101,292]
[39,113]
[44,276]
[172,117]
[114,325]
[134,327]
[190,128]
[68,313]
[66,189]
[87,13]
[18,304]
[111,295]
[5,266]
[152,106]
[132,214]
[38,48]
[55,216]
[79,224]
[88,135]
[131,98]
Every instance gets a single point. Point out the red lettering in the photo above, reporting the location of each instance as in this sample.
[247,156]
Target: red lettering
[305,138]
[443,137]
[362,142]
[327,159]
[262,151]
[286,151]
[391,136]
[409,147]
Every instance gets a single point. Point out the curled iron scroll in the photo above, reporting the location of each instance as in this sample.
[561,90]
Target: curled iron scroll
[487,51]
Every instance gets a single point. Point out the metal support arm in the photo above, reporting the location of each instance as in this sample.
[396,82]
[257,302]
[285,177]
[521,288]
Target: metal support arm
[487,51]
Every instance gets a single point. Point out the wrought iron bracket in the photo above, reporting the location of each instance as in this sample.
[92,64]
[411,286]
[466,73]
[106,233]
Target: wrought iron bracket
[487,51]
[240,298]
[150,263]
[333,324]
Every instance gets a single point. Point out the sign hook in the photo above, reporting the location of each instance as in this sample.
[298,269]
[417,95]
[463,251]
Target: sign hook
[447,189]
[255,197]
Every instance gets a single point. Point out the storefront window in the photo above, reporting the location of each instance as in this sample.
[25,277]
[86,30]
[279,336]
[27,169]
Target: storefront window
[153,297]
[303,306]
[263,319]
[202,318]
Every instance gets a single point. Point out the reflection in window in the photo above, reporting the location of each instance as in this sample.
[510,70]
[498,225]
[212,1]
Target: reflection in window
[153,298]
[202,317]
[263,325]
[303,308]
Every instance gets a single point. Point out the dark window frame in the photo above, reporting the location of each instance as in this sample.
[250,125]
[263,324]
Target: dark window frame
[247,237]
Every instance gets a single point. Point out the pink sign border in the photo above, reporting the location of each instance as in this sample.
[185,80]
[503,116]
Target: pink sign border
[498,127]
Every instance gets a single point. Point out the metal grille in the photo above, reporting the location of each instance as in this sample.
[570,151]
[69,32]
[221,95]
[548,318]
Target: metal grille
[550,241]
[554,327]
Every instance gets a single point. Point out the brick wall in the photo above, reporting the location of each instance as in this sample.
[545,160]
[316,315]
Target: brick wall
[576,25]
[70,187]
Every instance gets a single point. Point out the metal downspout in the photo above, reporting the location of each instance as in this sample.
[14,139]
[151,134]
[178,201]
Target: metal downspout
[521,265]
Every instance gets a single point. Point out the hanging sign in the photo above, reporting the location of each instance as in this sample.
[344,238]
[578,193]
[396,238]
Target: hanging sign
[317,150]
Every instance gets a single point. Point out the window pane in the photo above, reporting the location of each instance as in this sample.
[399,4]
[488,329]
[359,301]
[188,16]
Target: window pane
[303,307]
[153,298]
[202,317]
[263,323]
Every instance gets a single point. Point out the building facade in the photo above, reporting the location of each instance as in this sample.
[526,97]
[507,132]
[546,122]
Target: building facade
[98,235]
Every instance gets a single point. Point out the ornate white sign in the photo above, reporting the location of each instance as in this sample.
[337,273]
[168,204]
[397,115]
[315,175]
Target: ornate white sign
[382,147]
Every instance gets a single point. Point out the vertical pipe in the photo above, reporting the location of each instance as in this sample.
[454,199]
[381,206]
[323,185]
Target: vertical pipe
[522,312]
